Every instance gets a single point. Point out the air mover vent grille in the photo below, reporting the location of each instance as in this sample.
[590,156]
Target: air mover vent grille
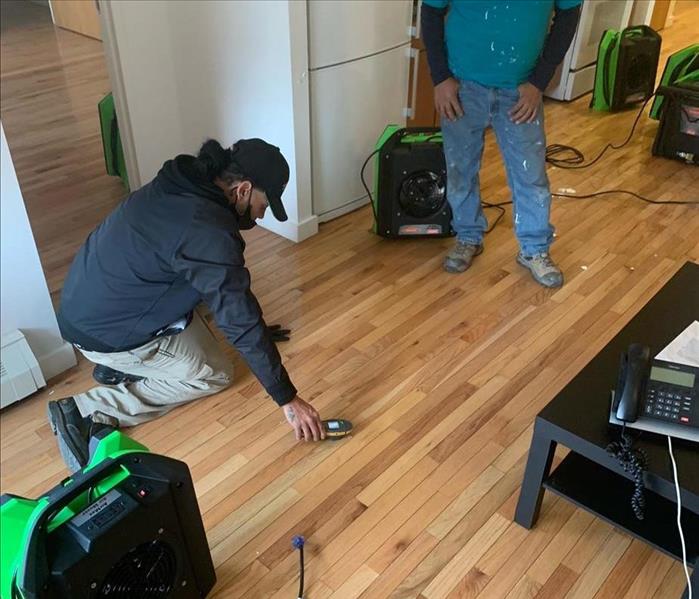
[145,572]
[422,194]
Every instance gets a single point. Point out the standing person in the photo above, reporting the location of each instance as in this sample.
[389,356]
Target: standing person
[128,301]
[490,70]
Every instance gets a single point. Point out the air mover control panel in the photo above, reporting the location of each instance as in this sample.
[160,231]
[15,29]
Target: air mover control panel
[107,511]
[111,509]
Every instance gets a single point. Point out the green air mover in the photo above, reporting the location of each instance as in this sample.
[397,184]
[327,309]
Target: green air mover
[111,140]
[127,526]
[627,62]
[409,197]
[681,67]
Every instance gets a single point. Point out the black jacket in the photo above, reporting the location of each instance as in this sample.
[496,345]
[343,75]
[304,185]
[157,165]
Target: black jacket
[168,246]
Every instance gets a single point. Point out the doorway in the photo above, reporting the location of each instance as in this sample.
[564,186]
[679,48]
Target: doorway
[51,82]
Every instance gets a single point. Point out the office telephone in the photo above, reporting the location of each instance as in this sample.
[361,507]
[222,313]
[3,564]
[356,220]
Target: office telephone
[656,396]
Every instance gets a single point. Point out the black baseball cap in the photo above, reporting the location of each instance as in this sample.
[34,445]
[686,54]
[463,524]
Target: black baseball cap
[266,168]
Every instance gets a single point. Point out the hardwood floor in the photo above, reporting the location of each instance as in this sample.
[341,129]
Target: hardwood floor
[442,376]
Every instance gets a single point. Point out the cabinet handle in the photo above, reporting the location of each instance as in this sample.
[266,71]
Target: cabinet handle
[415,57]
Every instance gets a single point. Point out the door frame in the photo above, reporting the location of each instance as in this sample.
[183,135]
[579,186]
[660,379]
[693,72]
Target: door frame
[111,54]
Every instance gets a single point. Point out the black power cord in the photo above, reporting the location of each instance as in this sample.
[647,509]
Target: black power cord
[569,157]
[634,462]
[576,159]
[366,187]
[297,543]
[623,191]
[500,210]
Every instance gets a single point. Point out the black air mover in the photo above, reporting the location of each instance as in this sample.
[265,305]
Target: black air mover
[678,134]
[410,193]
[127,526]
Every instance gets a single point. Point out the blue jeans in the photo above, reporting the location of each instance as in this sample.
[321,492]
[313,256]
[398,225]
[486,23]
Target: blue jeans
[523,149]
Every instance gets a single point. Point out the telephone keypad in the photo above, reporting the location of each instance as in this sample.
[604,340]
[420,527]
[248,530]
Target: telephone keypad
[666,404]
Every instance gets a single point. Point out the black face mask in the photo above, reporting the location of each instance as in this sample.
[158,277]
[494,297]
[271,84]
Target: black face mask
[245,220]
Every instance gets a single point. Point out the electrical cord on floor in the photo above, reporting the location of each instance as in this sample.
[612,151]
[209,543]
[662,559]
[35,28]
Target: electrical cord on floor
[597,194]
[569,157]
[622,191]
[634,462]
[501,211]
[297,543]
[576,159]
[679,516]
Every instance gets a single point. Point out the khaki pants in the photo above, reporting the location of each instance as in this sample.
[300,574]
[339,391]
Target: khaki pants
[176,370]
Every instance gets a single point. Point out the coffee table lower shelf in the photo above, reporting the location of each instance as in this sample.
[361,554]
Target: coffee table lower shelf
[608,495]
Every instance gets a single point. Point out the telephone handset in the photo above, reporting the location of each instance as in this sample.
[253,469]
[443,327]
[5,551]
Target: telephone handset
[633,374]
[655,395]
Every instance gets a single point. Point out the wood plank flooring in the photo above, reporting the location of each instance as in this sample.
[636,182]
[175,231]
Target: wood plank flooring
[442,376]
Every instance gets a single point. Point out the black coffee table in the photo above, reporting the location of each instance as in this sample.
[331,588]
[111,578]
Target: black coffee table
[578,419]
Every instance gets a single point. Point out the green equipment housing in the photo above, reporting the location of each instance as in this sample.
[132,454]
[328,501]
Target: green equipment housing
[627,62]
[409,197]
[126,526]
[111,140]
[681,68]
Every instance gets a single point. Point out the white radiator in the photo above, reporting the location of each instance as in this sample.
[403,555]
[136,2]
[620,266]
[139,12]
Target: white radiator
[21,375]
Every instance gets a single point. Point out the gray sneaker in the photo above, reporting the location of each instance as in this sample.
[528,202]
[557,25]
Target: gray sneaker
[461,256]
[543,269]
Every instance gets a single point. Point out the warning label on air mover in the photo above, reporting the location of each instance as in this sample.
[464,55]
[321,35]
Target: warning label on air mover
[99,506]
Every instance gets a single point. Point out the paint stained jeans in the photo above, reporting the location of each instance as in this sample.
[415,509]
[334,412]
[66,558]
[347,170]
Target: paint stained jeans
[523,149]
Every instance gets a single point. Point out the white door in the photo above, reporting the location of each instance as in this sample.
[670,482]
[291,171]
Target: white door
[342,30]
[351,104]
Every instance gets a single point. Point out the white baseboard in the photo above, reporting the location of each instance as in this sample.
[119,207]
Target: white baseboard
[342,210]
[57,361]
[291,229]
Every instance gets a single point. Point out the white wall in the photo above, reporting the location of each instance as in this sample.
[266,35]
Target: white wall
[197,69]
[25,303]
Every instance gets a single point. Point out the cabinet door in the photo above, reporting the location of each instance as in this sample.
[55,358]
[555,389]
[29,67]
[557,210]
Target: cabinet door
[351,105]
[80,16]
[341,30]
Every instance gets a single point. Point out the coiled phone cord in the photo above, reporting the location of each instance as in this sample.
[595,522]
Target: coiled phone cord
[634,462]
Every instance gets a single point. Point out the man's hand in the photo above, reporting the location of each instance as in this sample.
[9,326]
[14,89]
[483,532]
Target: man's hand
[305,420]
[278,333]
[446,99]
[527,107]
